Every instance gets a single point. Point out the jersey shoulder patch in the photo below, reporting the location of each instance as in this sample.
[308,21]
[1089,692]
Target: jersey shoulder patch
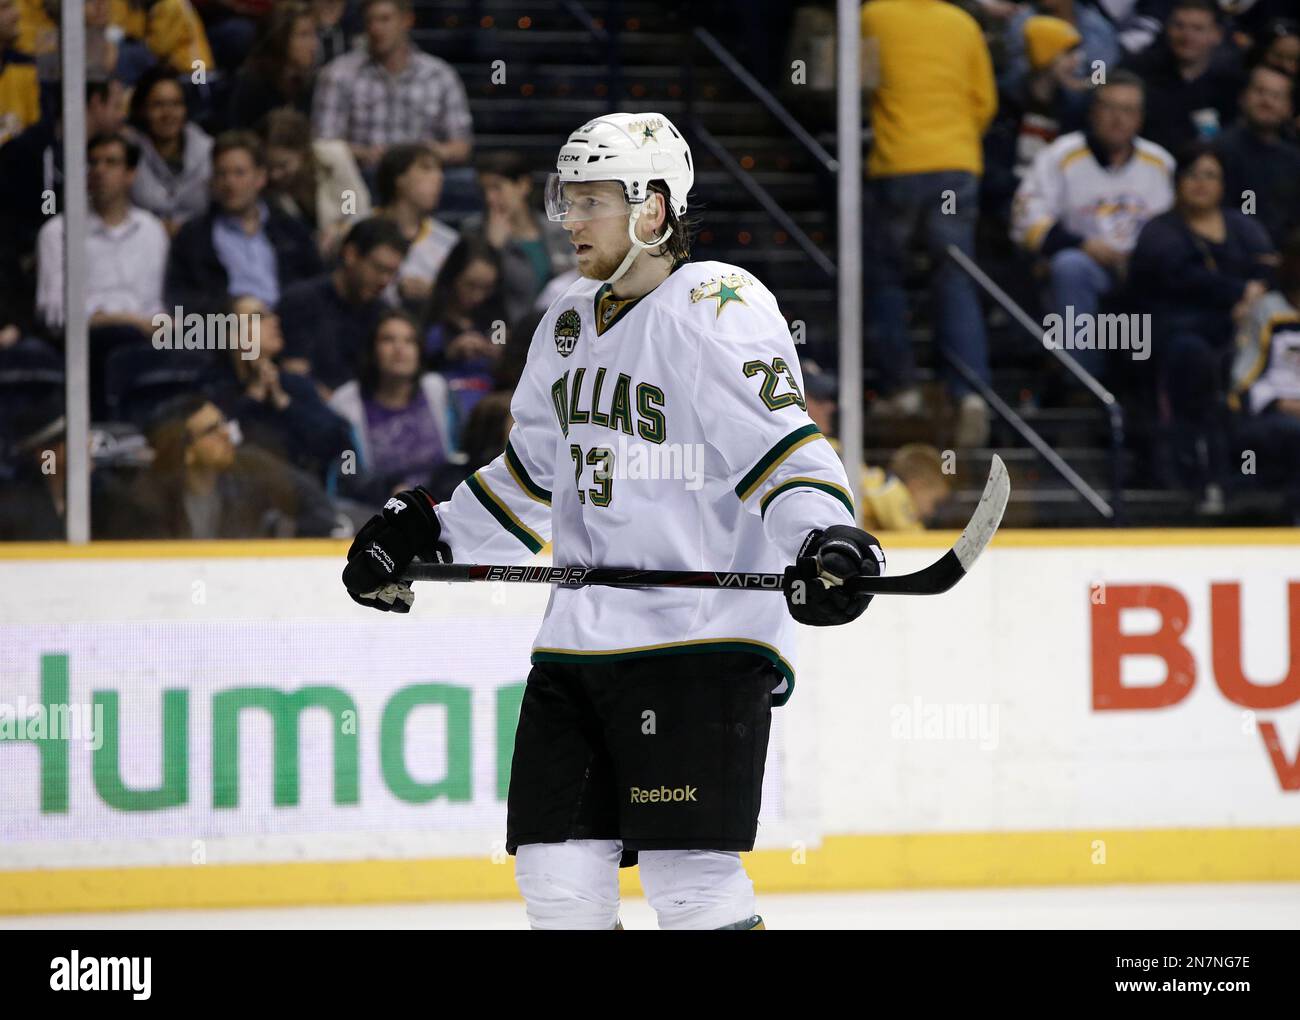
[725,300]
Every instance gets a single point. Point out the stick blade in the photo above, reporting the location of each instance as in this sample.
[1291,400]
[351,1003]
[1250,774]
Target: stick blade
[988,513]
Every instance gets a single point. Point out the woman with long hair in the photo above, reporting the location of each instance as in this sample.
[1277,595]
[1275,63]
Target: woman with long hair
[306,176]
[464,327]
[281,69]
[402,417]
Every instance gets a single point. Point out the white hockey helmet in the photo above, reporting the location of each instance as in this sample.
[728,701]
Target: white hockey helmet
[632,149]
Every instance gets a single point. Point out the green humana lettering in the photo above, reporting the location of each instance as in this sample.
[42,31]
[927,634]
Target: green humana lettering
[285,710]
[51,742]
[173,787]
[457,784]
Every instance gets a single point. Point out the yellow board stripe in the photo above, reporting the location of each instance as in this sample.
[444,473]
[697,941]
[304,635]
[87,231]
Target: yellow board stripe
[917,861]
[325,548]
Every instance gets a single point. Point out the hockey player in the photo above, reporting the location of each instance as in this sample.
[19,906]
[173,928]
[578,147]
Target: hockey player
[659,423]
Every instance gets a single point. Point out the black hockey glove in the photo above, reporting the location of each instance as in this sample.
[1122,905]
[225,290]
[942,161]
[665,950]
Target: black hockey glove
[815,592]
[385,546]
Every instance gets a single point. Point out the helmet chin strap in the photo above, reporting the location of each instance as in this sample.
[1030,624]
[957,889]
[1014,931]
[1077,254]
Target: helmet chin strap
[638,246]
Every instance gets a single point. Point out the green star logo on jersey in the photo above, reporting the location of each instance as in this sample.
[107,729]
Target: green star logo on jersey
[725,294]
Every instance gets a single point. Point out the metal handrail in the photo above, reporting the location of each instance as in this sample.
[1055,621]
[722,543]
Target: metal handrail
[760,195]
[1114,412]
[1030,436]
[773,105]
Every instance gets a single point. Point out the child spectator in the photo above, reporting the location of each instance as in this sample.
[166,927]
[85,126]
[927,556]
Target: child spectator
[907,496]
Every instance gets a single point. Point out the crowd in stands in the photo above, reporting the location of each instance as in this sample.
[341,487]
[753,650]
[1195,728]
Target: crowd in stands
[288,319]
[1128,157]
[305,167]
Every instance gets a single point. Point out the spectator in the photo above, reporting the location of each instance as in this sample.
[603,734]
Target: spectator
[278,411]
[464,323]
[1278,47]
[930,105]
[337,24]
[408,186]
[281,69]
[402,418]
[33,500]
[326,319]
[20,92]
[1196,268]
[31,169]
[232,26]
[532,249]
[1258,159]
[1031,120]
[126,257]
[1189,93]
[1100,46]
[1265,393]
[315,182]
[201,485]
[392,92]
[241,246]
[176,154]
[102,54]
[908,495]
[1085,199]
[166,31]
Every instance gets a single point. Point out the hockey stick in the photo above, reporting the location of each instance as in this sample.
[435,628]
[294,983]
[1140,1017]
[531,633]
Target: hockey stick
[935,579]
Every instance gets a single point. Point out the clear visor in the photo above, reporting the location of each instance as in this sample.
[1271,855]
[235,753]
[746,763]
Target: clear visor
[570,201]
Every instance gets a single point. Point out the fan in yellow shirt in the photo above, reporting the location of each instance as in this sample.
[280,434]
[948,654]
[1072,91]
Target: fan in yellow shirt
[20,95]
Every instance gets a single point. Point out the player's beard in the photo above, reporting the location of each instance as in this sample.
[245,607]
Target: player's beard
[601,266]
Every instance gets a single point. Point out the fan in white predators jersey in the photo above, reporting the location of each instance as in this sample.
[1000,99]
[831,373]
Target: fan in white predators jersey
[660,423]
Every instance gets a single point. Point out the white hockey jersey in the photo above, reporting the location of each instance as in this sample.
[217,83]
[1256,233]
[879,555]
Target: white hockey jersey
[1065,184]
[665,432]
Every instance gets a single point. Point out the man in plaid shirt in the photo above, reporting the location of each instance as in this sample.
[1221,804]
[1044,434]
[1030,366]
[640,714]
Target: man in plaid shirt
[392,92]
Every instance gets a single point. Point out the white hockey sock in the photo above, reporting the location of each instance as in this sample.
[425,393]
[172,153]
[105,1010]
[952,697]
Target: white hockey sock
[696,889]
[571,885]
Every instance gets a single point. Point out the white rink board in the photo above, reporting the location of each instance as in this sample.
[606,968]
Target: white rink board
[1015,637]
[204,630]
[852,752]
